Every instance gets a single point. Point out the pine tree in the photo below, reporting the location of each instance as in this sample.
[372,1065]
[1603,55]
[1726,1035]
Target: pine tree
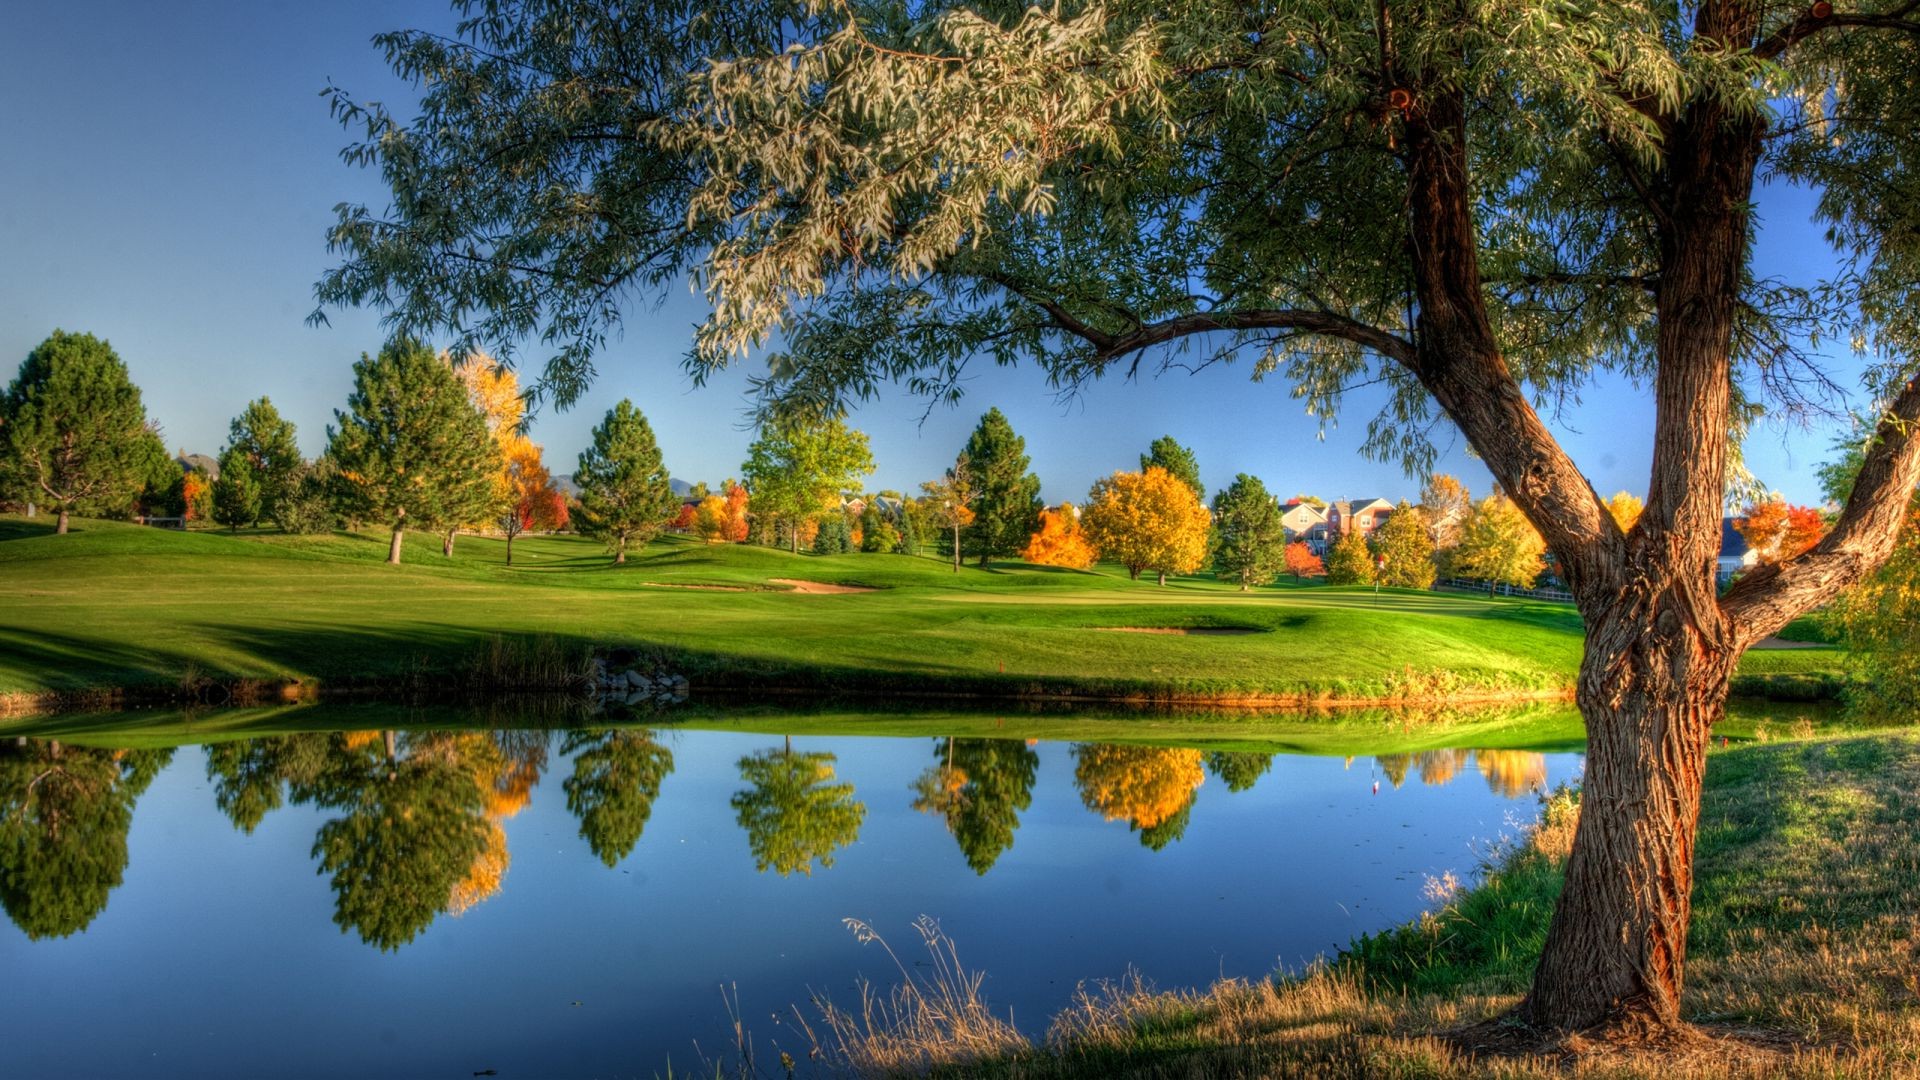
[1007,505]
[268,443]
[1176,459]
[626,495]
[1251,544]
[1403,549]
[237,494]
[410,448]
[73,433]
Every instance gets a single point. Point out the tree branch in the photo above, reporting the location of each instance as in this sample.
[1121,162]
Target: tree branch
[1807,25]
[1763,601]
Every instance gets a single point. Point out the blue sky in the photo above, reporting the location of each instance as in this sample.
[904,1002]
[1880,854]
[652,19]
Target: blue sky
[170,171]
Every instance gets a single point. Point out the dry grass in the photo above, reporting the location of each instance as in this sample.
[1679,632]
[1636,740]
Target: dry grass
[1805,942]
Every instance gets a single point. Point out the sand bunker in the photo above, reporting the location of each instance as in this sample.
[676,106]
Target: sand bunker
[1185,631]
[818,588]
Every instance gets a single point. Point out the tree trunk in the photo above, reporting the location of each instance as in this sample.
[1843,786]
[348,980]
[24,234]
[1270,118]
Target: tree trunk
[1133,573]
[1652,685]
[60,527]
[446,543]
[509,548]
[1163,579]
[393,546]
[956,549]
[620,551]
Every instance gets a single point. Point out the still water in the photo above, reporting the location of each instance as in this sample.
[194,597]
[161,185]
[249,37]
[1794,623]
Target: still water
[602,902]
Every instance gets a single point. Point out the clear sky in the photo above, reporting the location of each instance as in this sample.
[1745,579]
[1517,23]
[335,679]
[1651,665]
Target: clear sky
[169,172]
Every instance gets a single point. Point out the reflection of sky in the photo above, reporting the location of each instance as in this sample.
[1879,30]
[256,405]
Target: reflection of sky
[219,951]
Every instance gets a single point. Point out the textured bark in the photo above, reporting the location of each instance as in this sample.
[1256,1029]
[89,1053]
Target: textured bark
[60,526]
[446,542]
[393,546]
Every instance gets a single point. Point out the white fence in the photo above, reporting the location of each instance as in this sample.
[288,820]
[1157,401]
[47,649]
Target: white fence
[1504,590]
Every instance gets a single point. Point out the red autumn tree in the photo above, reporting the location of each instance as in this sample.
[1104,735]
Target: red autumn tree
[1778,531]
[683,520]
[1302,562]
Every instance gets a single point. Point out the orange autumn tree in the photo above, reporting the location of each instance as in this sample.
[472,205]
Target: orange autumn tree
[1777,531]
[735,496]
[1151,788]
[1302,562]
[1059,541]
[1147,520]
[527,495]
[534,499]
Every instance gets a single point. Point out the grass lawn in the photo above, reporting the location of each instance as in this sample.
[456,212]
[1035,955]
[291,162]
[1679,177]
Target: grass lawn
[1804,938]
[115,605]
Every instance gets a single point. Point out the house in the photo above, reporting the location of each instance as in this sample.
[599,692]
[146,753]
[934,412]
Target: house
[200,463]
[1361,515]
[1304,521]
[1735,553]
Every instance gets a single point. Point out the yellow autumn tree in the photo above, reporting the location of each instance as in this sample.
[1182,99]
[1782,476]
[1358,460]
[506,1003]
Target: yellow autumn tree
[1147,520]
[710,520]
[1059,541]
[1144,786]
[1512,773]
[1625,507]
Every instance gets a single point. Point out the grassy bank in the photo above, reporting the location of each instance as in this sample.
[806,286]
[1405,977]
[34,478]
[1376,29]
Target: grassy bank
[1804,958]
[120,606]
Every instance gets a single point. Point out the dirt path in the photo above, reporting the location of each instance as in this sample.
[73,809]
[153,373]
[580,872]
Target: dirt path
[819,588]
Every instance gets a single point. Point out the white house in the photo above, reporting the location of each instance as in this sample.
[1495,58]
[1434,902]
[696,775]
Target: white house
[1735,554]
[1304,521]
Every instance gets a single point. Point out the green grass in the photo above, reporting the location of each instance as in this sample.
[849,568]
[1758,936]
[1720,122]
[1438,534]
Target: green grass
[114,605]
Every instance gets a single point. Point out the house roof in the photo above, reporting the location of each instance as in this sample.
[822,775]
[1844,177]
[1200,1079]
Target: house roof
[200,463]
[1732,544]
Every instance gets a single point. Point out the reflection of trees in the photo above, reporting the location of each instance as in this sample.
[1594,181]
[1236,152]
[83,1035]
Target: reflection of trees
[979,787]
[793,811]
[64,815]
[419,829]
[1395,766]
[1239,770]
[1440,766]
[1512,773]
[1150,788]
[616,777]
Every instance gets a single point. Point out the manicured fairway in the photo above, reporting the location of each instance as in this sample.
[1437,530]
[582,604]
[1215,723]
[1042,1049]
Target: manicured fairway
[119,605]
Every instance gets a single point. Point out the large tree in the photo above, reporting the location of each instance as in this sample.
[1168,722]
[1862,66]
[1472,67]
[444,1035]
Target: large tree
[1478,206]
[794,811]
[626,495]
[1167,453]
[410,449]
[268,442]
[73,433]
[1251,544]
[1147,521]
[800,467]
[1006,503]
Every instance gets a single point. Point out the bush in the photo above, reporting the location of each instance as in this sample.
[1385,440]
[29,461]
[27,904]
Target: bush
[307,507]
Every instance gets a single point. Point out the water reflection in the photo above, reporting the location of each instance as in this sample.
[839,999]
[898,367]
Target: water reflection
[64,816]
[415,823]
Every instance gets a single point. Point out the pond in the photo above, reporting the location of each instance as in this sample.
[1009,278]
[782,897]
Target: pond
[351,891]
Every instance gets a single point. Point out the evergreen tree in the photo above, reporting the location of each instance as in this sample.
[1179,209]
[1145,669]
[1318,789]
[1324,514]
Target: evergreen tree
[877,534]
[267,442]
[1176,459]
[307,506]
[1403,549]
[910,531]
[410,449]
[237,494]
[616,778]
[1007,503]
[73,434]
[1350,563]
[626,495]
[833,536]
[1250,542]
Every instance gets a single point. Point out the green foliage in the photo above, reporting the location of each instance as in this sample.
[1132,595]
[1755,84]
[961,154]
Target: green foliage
[1403,549]
[626,494]
[1007,503]
[980,787]
[1250,543]
[1239,770]
[616,778]
[408,832]
[913,527]
[793,810]
[833,537]
[1498,545]
[795,468]
[268,443]
[1178,460]
[73,434]
[411,449]
[877,534]
[307,506]
[1349,562]
[64,815]
[237,495]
